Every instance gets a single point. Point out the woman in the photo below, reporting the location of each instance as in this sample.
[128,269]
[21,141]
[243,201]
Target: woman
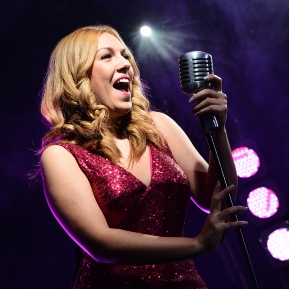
[117,176]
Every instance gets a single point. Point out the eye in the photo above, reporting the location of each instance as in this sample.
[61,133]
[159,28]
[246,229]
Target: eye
[105,56]
[126,56]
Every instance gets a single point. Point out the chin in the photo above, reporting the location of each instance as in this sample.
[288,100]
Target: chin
[121,112]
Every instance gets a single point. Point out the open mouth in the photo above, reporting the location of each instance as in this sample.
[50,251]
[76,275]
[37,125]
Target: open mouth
[122,84]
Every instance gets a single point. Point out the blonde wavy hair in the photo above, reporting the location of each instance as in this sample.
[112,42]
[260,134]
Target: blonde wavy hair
[73,111]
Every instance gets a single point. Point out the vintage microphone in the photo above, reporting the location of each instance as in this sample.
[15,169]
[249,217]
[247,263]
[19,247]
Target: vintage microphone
[193,67]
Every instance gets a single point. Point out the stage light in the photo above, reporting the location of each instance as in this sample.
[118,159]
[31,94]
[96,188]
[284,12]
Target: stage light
[278,244]
[159,44]
[275,241]
[263,202]
[246,161]
[145,31]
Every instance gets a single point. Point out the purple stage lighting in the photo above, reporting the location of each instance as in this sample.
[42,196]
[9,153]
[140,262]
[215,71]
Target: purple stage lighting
[275,241]
[246,161]
[263,202]
[278,244]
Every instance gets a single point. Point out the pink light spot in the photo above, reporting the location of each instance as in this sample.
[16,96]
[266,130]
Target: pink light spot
[246,162]
[263,202]
[278,244]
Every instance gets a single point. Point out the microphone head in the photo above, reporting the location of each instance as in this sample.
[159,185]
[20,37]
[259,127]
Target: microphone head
[193,67]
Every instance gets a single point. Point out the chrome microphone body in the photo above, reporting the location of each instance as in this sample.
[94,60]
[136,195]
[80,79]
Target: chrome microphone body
[193,67]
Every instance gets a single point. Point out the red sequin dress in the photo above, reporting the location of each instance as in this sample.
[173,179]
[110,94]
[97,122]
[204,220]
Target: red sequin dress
[158,209]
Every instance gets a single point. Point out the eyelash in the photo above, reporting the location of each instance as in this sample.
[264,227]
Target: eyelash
[105,56]
[108,55]
[127,56]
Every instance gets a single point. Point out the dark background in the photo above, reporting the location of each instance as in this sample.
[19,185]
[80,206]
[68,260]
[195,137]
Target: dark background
[249,44]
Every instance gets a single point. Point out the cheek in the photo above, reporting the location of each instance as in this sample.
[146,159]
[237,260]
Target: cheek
[99,89]
[95,82]
[97,78]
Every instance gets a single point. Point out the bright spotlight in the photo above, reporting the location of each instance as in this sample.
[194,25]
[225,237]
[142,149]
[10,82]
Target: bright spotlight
[275,241]
[145,31]
[263,202]
[278,244]
[246,161]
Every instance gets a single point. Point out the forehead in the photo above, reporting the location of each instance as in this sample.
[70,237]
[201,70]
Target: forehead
[108,40]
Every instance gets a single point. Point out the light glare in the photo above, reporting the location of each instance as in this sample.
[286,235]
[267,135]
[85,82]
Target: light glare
[145,31]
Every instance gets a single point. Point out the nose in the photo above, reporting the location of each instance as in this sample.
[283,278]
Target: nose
[123,65]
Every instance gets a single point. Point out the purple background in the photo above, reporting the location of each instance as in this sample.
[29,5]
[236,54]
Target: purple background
[249,44]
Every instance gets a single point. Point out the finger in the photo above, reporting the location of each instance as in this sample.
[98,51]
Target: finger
[215,205]
[220,93]
[237,224]
[218,197]
[215,80]
[224,193]
[207,94]
[210,101]
[223,215]
[211,105]
[218,111]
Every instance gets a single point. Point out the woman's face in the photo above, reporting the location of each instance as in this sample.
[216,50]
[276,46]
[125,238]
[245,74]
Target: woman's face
[111,78]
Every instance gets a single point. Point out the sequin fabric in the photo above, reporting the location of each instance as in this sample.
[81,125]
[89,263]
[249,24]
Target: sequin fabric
[158,209]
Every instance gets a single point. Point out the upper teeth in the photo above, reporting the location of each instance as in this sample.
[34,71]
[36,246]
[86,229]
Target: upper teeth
[122,80]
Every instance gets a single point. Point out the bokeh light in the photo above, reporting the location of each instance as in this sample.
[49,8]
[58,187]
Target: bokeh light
[263,202]
[246,161]
[278,244]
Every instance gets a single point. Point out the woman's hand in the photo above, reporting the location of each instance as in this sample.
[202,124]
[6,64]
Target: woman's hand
[216,225]
[211,101]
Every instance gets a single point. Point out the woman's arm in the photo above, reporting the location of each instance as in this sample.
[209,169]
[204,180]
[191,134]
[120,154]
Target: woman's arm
[214,101]
[70,198]
[202,177]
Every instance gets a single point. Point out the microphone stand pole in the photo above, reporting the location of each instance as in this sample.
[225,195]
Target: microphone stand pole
[208,123]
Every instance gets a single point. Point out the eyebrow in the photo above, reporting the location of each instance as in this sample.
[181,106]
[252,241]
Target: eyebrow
[125,50]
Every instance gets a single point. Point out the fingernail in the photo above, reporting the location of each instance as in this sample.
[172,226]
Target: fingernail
[245,208]
[245,223]
[231,186]
[207,77]
[191,100]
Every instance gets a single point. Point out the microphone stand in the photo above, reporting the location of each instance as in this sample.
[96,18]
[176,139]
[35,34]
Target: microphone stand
[208,123]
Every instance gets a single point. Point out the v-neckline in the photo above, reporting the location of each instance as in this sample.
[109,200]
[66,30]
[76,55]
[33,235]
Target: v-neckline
[150,166]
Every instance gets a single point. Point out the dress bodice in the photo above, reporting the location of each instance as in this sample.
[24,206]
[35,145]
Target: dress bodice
[158,209]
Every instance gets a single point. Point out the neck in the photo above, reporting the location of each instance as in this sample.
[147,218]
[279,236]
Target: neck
[117,127]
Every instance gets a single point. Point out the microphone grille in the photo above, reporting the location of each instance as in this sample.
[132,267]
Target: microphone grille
[193,67]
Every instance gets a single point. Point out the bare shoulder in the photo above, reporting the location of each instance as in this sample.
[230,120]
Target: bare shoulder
[159,116]
[172,132]
[165,124]
[55,151]
[60,170]
[56,157]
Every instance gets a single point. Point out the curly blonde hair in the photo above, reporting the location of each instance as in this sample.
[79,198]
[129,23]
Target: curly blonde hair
[72,109]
